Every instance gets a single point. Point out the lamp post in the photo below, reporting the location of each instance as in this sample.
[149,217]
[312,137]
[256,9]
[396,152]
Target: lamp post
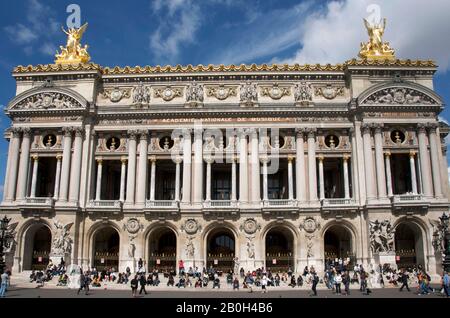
[444,222]
[5,241]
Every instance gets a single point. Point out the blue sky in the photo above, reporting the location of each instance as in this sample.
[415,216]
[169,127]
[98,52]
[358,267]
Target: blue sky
[160,32]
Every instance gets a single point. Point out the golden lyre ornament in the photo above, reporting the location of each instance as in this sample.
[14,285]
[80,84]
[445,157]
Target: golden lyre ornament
[73,53]
[376,49]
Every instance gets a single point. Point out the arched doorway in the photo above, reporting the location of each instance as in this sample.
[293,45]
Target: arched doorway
[162,250]
[106,249]
[338,246]
[279,250]
[38,242]
[408,245]
[220,250]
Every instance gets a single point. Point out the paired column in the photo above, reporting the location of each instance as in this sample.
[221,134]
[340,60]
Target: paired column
[243,169]
[177,178]
[290,178]
[425,168]
[368,159]
[233,179]
[321,179]
[98,189]
[381,178]
[387,156]
[123,173]
[57,177]
[435,166]
[65,169]
[13,159]
[209,162]
[131,174]
[24,164]
[412,165]
[187,163]
[152,178]
[34,176]
[264,161]
[255,167]
[300,175]
[346,177]
[312,164]
[198,166]
[142,176]
[75,172]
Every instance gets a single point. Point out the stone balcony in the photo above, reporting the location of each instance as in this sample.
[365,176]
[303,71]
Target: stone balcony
[37,204]
[215,207]
[161,208]
[338,204]
[409,200]
[111,206]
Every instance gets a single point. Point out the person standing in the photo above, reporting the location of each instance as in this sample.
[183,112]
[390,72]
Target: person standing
[4,283]
[346,282]
[264,281]
[404,280]
[143,282]
[315,281]
[446,284]
[337,282]
[82,282]
[134,285]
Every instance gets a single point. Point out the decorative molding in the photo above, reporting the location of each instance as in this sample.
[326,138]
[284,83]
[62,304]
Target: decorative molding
[168,93]
[275,91]
[221,92]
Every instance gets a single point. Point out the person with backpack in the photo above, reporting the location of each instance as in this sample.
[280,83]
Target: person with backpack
[134,285]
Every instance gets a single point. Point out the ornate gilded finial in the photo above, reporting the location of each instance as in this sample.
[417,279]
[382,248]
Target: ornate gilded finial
[73,53]
[376,49]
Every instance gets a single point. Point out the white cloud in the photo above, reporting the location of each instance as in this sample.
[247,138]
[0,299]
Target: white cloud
[39,24]
[416,29]
[48,49]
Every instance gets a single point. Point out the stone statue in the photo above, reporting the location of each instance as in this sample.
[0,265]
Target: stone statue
[141,95]
[381,236]
[73,53]
[194,93]
[438,236]
[250,248]
[303,92]
[376,48]
[236,265]
[62,242]
[249,93]
[190,249]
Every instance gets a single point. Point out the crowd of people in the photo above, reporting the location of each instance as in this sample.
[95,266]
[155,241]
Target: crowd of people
[338,277]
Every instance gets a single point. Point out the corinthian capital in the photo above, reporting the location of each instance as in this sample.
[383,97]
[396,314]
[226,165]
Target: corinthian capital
[144,134]
[79,131]
[311,132]
[366,128]
[132,134]
[26,131]
[16,132]
[378,128]
[421,128]
[67,131]
[300,132]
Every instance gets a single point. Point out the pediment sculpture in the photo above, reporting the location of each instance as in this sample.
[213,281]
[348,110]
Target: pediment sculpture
[47,101]
[399,96]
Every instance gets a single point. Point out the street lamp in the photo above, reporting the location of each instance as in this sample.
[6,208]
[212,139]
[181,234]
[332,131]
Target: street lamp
[444,222]
[5,241]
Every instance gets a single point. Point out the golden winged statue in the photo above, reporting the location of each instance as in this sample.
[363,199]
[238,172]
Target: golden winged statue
[73,53]
[376,48]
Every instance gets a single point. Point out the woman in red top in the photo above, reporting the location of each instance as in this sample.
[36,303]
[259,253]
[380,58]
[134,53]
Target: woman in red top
[181,266]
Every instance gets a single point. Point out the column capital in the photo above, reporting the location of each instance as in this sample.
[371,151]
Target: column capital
[152,159]
[124,160]
[178,159]
[26,131]
[387,153]
[209,159]
[300,132]
[99,161]
[143,134]
[366,127]
[67,131]
[311,132]
[264,159]
[378,128]
[321,158]
[132,134]
[35,157]
[346,157]
[432,127]
[79,131]
[16,131]
[421,128]
[59,156]
[412,154]
[291,158]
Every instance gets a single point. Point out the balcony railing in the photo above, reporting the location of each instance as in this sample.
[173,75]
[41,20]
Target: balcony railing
[149,204]
[113,204]
[337,201]
[39,201]
[279,203]
[404,198]
[220,204]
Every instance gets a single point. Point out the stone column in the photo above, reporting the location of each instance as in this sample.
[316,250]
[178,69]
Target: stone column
[209,161]
[381,178]
[23,165]
[177,178]
[368,159]
[10,186]
[346,177]
[142,176]
[255,167]
[34,176]
[321,179]
[65,168]
[123,173]
[153,179]
[57,176]
[198,167]
[98,189]
[412,165]
[131,173]
[187,163]
[425,168]
[264,161]
[435,166]
[290,178]
[75,171]
[300,175]
[312,164]
[233,179]
[388,173]
[243,169]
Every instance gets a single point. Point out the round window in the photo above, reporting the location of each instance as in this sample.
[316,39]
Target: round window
[398,136]
[166,143]
[49,141]
[113,143]
[332,141]
[276,142]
